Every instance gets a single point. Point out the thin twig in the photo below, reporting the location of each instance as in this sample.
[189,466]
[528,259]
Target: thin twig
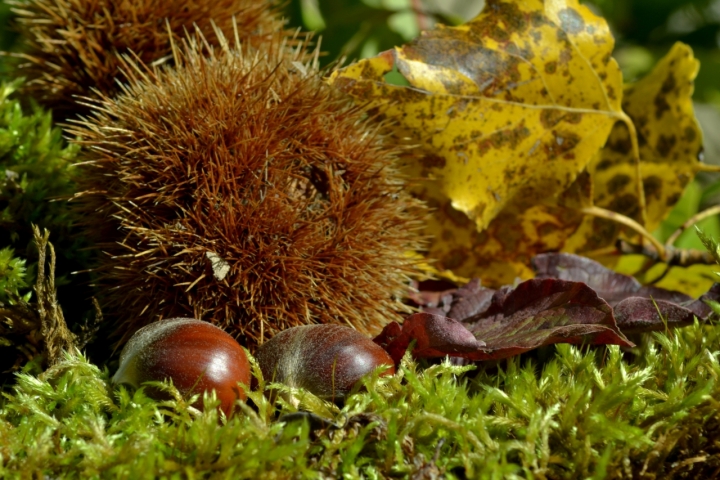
[422,19]
[632,131]
[680,257]
[709,212]
[90,328]
[628,222]
[705,167]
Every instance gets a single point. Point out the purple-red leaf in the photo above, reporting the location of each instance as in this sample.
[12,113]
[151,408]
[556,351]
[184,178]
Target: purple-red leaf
[506,322]
[572,300]
[609,285]
[637,308]
[541,312]
[433,294]
[642,314]
[471,299]
[434,335]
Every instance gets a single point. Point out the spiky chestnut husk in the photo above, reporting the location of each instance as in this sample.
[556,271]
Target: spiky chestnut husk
[241,189]
[73,46]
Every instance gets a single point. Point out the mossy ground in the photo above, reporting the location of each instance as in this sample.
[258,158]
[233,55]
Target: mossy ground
[652,412]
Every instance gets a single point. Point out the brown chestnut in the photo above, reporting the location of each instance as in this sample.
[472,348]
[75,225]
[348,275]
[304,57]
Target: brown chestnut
[196,355]
[326,360]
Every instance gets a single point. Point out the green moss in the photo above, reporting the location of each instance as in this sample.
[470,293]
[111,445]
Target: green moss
[12,273]
[36,164]
[37,177]
[36,173]
[585,413]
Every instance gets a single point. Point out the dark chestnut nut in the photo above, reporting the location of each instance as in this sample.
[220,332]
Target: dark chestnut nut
[196,355]
[326,360]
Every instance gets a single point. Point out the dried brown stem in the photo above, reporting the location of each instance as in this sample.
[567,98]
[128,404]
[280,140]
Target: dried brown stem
[422,18]
[56,336]
[38,328]
[681,257]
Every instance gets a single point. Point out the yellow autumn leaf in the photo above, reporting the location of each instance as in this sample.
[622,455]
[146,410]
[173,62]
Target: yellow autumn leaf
[517,234]
[508,108]
[670,142]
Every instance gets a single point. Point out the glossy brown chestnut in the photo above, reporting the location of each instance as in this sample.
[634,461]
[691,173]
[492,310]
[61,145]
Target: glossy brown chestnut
[326,360]
[196,355]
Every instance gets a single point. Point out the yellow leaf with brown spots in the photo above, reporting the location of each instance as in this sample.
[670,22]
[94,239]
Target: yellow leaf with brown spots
[670,142]
[504,249]
[509,109]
